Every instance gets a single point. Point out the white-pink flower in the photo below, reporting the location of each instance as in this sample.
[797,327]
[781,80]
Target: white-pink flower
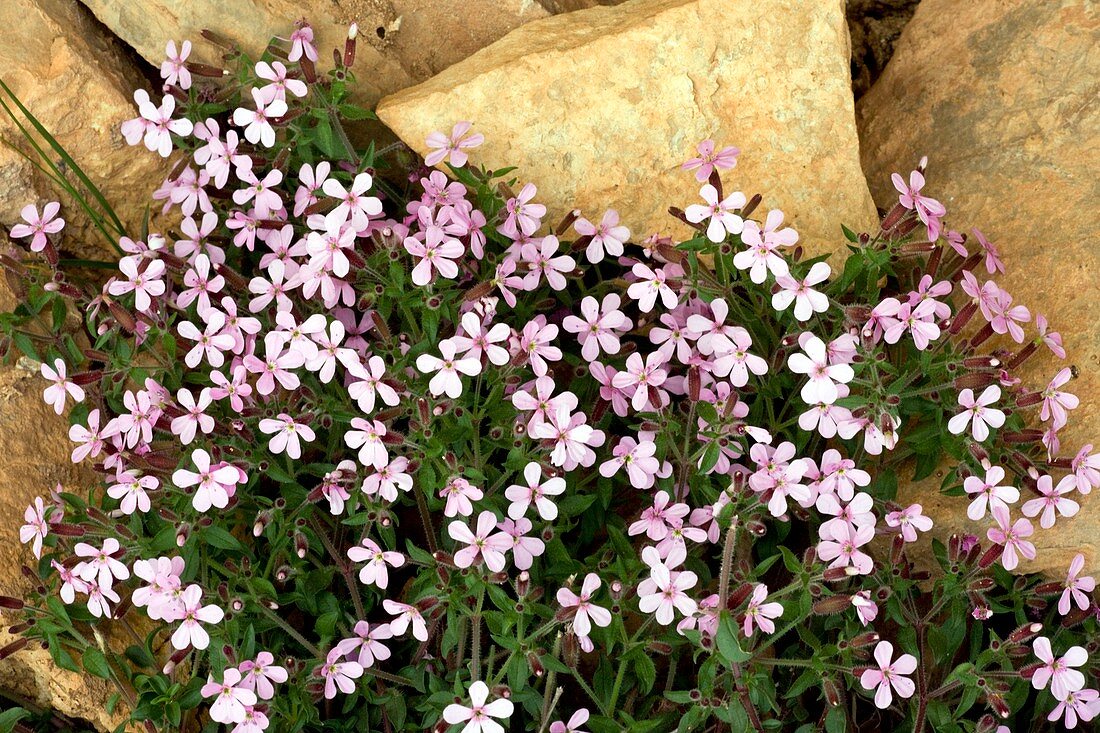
[339,674]
[257,122]
[436,254]
[891,673]
[39,227]
[452,149]
[215,484]
[607,238]
[1060,672]
[1011,535]
[823,376]
[807,301]
[286,434]
[378,562]
[666,593]
[99,564]
[232,699]
[723,221]
[988,493]
[479,715]
[1077,587]
[355,206]
[535,492]
[35,528]
[762,255]
[601,326]
[447,369]
[978,413]
[61,386]
[481,543]
[191,631]
[910,520]
[1053,501]
[587,612]
[651,284]
[761,613]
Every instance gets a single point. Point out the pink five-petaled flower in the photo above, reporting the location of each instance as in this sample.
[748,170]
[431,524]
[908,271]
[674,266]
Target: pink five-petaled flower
[668,593]
[807,301]
[1060,672]
[257,122]
[540,257]
[366,437]
[1053,500]
[214,484]
[448,368]
[651,284]
[301,44]
[279,83]
[36,527]
[993,263]
[1083,704]
[910,520]
[232,699]
[989,493]
[452,149]
[576,720]
[571,436]
[840,543]
[890,673]
[823,377]
[723,221]
[645,378]
[375,572]
[476,338]
[534,492]
[587,612]
[637,457]
[607,238]
[762,254]
[1077,586]
[194,418]
[709,159]
[460,495]
[144,284]
[355,206]
[260,673]
[599,329]
[37,226]
[1056,403]
[276,365]
[478,716]
[536,342]
[339,674]
[190,631]
[404,617]
[132,490]
[61,386]
[978,412]
[368,641]
[1011,536]
[286,434]
[436,253]
[761,613]
[480,544]
[929,210]
[101,565]
[174,67]
[523,216]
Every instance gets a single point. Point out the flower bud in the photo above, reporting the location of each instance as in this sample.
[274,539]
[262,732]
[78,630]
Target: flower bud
[13,647]
[183,534]
[832,604]
[861,641]
[349,46]
[301,545]
[986,724]
[535,665]
[832,691]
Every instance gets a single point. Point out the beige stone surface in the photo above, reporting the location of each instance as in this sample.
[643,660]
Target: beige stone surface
[401,41]
[79,83]
[599,107]
[1003,97]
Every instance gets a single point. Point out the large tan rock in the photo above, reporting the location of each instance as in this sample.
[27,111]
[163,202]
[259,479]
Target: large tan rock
[400,42]
[1003,97]
[599,107]
[79,83]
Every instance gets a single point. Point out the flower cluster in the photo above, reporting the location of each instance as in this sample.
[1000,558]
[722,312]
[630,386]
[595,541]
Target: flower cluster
[387,447]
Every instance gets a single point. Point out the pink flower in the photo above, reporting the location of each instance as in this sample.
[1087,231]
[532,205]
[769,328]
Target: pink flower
[36,528]
[637,457]
[366,437]
[261,191]
[101,565]
[571,438]
[1006,318]
[1056,403]
[645,378]
[210,343]
[978,412]
[144,283]
[1053,500]
[866,610]
[404,616]
[260,673]
[355,206]
[312,179]
[988,493]
[257,123]
[481,544]
[214,483]
[993,261]
[651,284]
[339,675]
[131,489]
[1077,586]
[286,434]
[302,44]
[232,701]
[524,548]
[762,255]
[478,716]
[1060,672]
[536,341]
[437,254]
[840,543]
[523,216]
[447,369]
[807,301]
[158,125]
[194,418]
[190,632]
[723,221]
[761,613]
[534,492]
[823,377]
[475,339]
[174,67]
[37,226]
[929,210]
[599,329]
[889,673]
[280,84]
[276,365]
[579,718]
[1079,704]
[369,385]
[452,148]
[656,519]
[1052,339]
[666,593]
[375,572]
[236,390]
[709,159]
[1011,536]
[55,394]
[918,320]
[368,641]
[910,520]
[587,612]
[607,238]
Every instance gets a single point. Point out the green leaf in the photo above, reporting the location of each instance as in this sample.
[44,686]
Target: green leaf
[95,663]
[9,718]
[221,539]
[729,648]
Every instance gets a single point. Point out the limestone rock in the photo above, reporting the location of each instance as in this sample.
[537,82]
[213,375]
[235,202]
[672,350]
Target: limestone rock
[400,42]
[599,107]
[1002,97]
[79,83]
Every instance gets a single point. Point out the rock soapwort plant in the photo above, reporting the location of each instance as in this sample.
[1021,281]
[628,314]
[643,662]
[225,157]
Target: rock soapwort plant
[388,448]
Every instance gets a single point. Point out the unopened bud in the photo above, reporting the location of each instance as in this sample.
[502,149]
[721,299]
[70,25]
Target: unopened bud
[832,604]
